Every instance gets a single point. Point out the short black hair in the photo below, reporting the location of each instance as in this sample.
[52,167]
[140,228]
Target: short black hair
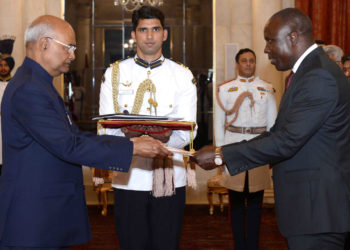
[297,20]
[146,12]
[242,51]
[320,42]
[345,58]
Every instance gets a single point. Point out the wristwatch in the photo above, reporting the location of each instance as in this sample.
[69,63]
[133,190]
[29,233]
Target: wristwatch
[218,156]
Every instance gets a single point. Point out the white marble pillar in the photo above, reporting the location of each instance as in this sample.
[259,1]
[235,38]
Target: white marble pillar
[260,15]
[17,14]
[264,69]
[232,25]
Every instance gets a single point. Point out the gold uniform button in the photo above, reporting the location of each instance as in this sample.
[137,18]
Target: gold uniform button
[170,106]
[125,105]
[148,109]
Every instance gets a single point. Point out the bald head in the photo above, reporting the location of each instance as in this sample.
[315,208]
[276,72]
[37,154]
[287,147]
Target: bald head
[297,21]
[50,41]
[288,34]
[45,26]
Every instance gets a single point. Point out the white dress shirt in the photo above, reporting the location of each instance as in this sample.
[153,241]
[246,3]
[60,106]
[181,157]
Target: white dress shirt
[301,58]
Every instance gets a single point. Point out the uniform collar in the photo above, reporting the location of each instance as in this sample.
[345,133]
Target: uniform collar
[152,65]
[5,79]
[244,79]
[37,69]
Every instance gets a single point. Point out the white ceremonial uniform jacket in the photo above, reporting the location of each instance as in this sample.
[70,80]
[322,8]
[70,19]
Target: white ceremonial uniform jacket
[176,96]
[2,90]
[262,114]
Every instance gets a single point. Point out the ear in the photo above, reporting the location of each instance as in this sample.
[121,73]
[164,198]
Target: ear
[133,35]
[293,37]
[165,34]
[43,43]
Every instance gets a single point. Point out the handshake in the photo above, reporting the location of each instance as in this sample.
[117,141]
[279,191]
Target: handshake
[208,157]
[152,145]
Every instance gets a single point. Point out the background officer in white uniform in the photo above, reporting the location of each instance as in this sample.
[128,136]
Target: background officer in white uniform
[149,84]
[246,107]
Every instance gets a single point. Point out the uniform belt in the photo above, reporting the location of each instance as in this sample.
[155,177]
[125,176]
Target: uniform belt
[246,130]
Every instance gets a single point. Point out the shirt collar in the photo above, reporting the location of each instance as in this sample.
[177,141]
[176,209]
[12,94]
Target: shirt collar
[152,65]
[300,60]
[245,79]
[5,79]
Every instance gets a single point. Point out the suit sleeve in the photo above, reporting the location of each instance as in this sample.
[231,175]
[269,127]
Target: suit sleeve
[313,100]
[46,124]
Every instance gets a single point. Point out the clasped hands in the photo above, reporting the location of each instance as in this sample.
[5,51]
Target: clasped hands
[153,145]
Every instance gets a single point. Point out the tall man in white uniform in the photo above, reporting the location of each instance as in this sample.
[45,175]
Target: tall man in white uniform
[149,84]
[245,108]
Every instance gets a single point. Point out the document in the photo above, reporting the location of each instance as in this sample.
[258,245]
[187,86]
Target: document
[122,116]
[180,151]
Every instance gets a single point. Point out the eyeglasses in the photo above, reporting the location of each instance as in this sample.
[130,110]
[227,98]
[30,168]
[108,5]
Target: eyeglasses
[71,48]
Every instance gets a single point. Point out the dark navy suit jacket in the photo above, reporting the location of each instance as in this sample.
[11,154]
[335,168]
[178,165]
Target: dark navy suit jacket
[42,202]
[310,146]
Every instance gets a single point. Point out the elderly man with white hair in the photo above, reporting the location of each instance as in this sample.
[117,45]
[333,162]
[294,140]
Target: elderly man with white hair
[41,187]
[334,52]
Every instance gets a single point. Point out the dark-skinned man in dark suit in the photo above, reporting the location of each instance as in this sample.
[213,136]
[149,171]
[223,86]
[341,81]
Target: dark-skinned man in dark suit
[309,144]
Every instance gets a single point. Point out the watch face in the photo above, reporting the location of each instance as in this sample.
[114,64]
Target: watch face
[218,161]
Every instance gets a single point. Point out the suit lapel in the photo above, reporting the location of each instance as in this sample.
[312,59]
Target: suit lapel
[287,96]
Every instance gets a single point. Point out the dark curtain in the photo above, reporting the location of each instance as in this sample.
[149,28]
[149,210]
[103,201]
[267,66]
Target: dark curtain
[330,19]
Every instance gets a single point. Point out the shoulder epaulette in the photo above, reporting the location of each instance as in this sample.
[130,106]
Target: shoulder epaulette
[265,81]
[194,81]
[224,82]
[180,63]
[118,61]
